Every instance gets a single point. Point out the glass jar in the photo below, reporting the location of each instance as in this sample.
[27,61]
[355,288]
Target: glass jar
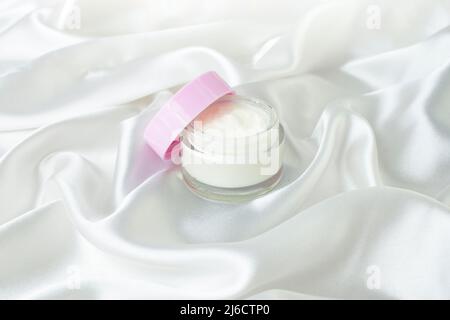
[232,151]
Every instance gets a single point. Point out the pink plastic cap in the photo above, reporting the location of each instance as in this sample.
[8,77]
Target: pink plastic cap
[162,132]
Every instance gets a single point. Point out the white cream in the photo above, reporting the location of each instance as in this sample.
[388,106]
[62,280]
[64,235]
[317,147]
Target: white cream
[234,143]
[229,125]
[235,118]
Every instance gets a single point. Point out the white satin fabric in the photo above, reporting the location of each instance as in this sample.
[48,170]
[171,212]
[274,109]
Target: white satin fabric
[87,210]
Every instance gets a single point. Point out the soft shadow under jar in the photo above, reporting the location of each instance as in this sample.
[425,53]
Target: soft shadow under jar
[232,151]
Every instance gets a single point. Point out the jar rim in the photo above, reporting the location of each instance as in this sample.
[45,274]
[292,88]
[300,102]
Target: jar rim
[273,123]
[274,139]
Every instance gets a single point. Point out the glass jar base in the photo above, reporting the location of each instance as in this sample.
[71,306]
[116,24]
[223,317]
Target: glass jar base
[230,194]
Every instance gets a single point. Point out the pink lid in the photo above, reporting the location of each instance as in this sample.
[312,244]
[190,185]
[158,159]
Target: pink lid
[166,125]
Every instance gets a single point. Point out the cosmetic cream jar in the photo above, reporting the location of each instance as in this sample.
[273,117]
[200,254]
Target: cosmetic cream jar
[232,151]
[229,146]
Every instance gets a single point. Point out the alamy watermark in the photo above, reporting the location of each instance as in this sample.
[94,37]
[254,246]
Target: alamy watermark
[373,20]
[373,281]
[73,278]
[70,16]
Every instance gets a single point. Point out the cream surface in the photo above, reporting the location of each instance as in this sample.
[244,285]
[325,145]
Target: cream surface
[234,125]
[232,118]
[234,143]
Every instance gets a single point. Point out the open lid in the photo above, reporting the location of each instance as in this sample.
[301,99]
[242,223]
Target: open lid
[163,130]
